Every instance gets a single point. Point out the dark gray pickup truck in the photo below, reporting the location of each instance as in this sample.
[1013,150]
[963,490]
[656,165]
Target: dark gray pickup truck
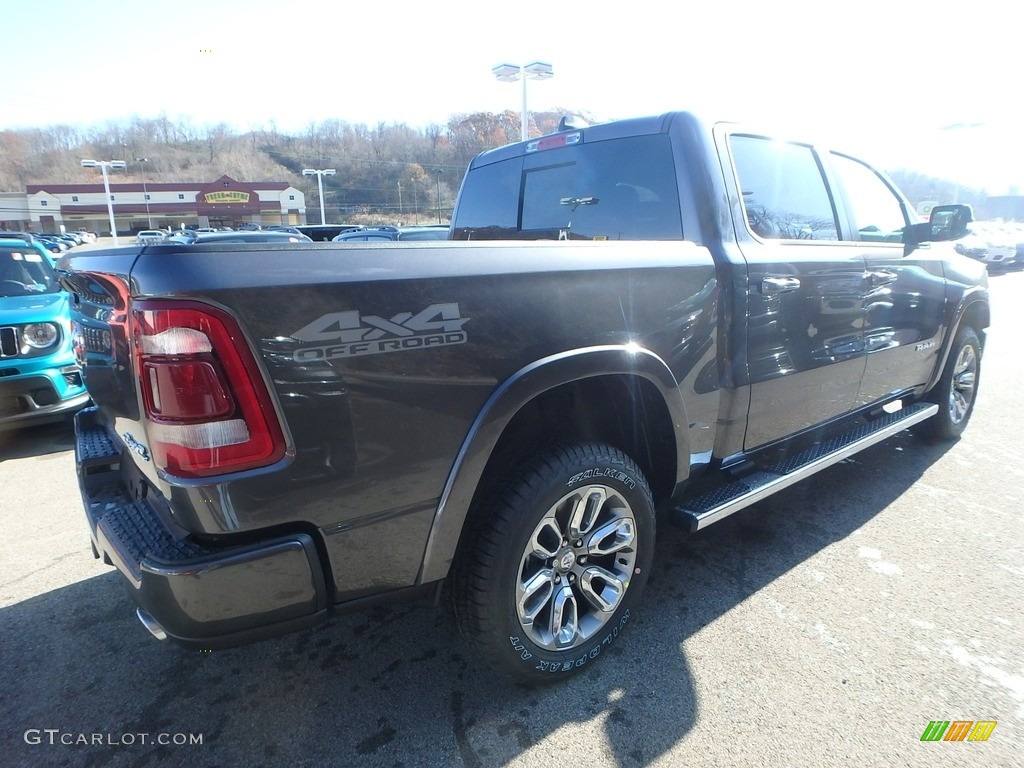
[654,317]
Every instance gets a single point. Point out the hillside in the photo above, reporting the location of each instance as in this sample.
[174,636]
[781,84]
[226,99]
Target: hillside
[389,171]
[385,169]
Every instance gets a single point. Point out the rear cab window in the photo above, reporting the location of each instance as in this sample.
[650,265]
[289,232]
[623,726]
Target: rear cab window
[617,189]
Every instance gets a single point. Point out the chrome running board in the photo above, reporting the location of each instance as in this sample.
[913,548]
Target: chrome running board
[702,511]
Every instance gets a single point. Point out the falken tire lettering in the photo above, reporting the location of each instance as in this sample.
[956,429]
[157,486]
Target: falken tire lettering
[599,472]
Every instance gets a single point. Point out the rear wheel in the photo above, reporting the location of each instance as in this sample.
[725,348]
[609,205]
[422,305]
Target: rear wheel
[956,390]
[549,577]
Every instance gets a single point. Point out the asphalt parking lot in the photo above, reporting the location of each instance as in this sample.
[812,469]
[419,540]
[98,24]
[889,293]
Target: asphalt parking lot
[825,626]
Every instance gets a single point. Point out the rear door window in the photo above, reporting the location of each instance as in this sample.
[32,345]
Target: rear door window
[783,189]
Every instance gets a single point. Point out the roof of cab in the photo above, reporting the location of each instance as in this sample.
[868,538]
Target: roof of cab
[634,126]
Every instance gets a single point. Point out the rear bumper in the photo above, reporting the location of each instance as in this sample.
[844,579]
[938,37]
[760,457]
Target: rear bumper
[197,594]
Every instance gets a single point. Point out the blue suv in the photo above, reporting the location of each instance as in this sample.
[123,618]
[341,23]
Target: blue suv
[39,378]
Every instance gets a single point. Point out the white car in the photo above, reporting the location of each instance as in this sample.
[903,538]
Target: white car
[1015,231]
[150,237]
[987,243]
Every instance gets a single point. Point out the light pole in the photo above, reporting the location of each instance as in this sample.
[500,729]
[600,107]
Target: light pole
[145,194]
[320,173]
[438,179]
[104,164]
[509,73]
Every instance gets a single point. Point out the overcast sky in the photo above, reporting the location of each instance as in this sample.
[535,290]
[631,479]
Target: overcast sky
[886,79]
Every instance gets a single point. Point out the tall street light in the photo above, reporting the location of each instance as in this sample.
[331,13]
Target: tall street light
[438,179]
[320,173]
[104,165]
[509,73]
[145,195]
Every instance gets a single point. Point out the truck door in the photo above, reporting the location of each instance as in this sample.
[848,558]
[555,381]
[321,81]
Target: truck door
[805,288]
[904,295]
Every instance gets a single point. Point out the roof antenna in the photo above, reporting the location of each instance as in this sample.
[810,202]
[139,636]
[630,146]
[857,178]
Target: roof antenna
[571,123]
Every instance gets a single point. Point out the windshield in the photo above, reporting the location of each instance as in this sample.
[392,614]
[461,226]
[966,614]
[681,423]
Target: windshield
[24,272]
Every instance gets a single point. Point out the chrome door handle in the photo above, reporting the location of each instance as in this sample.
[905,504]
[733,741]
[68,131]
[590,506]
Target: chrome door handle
[773,286]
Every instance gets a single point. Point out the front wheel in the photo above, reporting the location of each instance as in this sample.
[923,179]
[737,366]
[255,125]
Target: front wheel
[957,388]
[552,571]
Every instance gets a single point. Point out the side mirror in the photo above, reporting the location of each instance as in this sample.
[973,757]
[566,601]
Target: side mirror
[948,222]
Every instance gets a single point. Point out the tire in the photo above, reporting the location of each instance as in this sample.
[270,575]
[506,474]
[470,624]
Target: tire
[553,570]
[957,388]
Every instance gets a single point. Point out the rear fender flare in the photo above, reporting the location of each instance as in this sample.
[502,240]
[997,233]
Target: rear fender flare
[505,403]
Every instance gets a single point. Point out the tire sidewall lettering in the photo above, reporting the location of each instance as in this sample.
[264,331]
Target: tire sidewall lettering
[488,570]
[603,473]
[518,647]
[590,650]
[590,655]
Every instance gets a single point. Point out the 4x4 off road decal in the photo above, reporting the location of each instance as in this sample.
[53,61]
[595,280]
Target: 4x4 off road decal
[349,334]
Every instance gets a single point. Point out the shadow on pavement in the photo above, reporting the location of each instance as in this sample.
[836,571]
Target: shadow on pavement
[395,685]
[38,439]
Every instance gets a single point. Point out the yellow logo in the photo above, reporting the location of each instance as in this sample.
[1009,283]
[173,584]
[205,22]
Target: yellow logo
[214,198]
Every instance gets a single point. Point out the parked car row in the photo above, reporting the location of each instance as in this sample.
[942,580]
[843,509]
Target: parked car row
[55,243]
[320,233]
[341,233]
[282,233]
[207,235]
[250,236]
[381,234]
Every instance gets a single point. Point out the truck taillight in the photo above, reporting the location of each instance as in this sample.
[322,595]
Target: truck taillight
[207,406]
